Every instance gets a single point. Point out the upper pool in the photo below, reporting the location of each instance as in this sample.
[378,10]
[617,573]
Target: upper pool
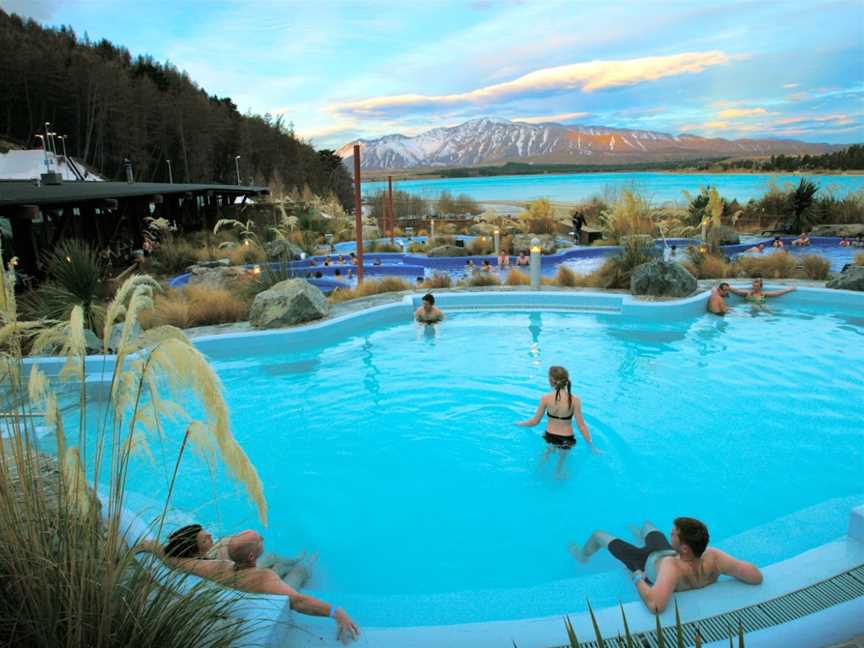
[392,453]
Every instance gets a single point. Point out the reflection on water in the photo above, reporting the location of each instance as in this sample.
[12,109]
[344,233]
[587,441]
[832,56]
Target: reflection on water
[288,368]
[535,327]
[370,379]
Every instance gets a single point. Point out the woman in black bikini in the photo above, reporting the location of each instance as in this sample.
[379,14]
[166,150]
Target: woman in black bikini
[560,409]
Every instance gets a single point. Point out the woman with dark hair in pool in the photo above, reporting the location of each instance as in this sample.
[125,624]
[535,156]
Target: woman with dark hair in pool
[560,409]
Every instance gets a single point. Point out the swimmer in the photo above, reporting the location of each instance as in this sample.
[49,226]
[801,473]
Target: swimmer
[802,240]
[503,259]
[523,259]
[757,248]
[428,313]
[777,242]
[845,242]
[659,568]
[756,295]
[487,267]
[717,301]
[560,413]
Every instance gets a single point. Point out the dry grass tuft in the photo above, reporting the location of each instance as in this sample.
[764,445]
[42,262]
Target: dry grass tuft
[778,265]
[369,288]
[195,306]
[566,278]
[859,259]
[438,280]
[482,279]
[517,278]
[480,246]
[816,267]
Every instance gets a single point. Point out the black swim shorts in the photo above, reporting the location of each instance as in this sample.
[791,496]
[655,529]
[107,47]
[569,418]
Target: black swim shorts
[634,557]
[560,441]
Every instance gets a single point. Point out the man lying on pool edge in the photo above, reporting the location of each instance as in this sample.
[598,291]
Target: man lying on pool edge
[660,568]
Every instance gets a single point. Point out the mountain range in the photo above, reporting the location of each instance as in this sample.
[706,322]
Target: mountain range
[496,141]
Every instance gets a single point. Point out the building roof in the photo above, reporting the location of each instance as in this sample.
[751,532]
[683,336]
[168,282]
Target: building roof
[13,193]
[30,164]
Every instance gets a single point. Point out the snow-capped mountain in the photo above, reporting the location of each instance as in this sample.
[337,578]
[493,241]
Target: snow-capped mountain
[495,141]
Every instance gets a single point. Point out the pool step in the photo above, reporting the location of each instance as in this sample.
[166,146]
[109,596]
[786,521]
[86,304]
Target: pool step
[783,609]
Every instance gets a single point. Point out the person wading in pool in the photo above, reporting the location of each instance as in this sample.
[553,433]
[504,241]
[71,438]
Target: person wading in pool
[560,409]
[717,300]
[659,567]
[428,313]
[756,295]
[241,572]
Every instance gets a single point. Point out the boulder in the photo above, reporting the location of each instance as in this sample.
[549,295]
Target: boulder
[851,230]
[852,278]
[662,279]
[723,235]
[92,342]
[282,249]
[523,242]
[216,263]
[447,250]
[482,229]
[221,277]
[289,302]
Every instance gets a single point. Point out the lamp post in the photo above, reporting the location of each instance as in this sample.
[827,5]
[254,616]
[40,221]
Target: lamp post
[237,167]
[497,242]
[44,148]
[170,173]
[431,231]
[62,139]
[535,264]
[47,142]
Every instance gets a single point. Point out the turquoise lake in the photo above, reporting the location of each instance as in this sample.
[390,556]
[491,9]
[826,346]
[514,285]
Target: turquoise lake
[658,186]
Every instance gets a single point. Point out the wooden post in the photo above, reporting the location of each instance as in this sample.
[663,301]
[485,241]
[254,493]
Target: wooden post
[390,212]
[358,214]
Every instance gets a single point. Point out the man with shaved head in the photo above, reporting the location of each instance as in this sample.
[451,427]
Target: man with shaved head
[242,572]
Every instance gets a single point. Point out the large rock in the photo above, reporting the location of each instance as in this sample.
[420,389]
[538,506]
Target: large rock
[851,230]
[219,277]
[723,235]
[447,250]
[662,279]
[852,278]
[282,249]
[293,301]
[523,242]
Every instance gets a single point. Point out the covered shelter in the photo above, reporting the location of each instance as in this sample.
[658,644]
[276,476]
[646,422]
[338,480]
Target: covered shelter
[44,212]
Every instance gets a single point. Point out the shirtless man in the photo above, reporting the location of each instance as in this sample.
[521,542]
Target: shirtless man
[660,568]
[242,573]
[717,300]
[428,313]
[757,248]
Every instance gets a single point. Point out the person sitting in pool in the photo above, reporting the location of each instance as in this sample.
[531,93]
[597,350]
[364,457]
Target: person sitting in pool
[717,300]
[523,259]
[337,272]
[428,313]
[487,267]
[340,260]
[193,541]
[659,568]
[777,242]
[845,242]
[377,261]
[859,241]
[327,261]
[802,240]
[469,266]
[756,294]
[503,259]
[241,572]
[757,248]
[560,413]
[312,263]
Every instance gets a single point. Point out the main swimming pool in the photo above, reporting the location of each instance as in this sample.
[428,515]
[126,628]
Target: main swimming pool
[392,453]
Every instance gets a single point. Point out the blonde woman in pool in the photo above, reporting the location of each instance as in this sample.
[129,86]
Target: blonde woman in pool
[561,408]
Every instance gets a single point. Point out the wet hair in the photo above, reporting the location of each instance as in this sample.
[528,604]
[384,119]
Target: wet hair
[337,272]
[724,284]
[560,379]
[429,297]
[693,533]
[183,543]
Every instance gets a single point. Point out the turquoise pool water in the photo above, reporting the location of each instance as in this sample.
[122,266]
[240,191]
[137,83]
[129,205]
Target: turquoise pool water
[659,187]
[393,455]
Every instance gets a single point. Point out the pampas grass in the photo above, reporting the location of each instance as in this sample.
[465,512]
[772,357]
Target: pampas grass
[482,279]
[859,259]
[369,288]
[630,214]
[778,265]
[437,280]
[517,278]
[195,306]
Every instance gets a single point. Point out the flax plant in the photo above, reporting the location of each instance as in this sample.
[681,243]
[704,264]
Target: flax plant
[69,575]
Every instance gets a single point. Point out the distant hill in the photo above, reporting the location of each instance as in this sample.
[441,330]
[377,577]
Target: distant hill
[497,141]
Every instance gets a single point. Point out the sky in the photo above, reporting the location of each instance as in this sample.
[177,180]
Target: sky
[342,70]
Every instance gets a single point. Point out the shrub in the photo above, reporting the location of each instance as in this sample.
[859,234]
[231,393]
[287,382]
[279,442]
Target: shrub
[418,248]
[616,270]
[706,266]
[539,217]
[173,256]
[859,259]
[368,288]
[438,280]
[566,278]
[517,278]
[777,266]
[246,252]
[630,214]
[482,279]
[481,245]
[195,306]
[381,246]
[816,267]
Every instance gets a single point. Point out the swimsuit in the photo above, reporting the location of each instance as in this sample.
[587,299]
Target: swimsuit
[643,558]
[563,441]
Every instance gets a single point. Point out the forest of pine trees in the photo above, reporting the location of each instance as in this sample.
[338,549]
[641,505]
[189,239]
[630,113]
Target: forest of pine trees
[113,107]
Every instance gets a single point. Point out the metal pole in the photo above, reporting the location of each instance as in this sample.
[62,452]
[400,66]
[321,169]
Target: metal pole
[535,264]
[391,213]
[431,230]
[45,149]
[237,167]
[497,242]
[47,146]
[170,173]
[63,141]
[358,214]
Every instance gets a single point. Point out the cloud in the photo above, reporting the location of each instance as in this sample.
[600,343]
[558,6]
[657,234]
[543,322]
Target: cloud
[587,77]
[560,117]
[735,113]
[41,10]
[790,86]
[840,119]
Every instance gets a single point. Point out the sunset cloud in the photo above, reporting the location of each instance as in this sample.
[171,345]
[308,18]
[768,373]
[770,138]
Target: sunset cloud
[735,113]
[586,77]
[560,117]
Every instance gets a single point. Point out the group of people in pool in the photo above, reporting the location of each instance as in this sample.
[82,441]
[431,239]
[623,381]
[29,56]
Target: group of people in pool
[804,241]
[755,296]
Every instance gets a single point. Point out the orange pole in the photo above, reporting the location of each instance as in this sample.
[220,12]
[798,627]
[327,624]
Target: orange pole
[358,214]
[391,212]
